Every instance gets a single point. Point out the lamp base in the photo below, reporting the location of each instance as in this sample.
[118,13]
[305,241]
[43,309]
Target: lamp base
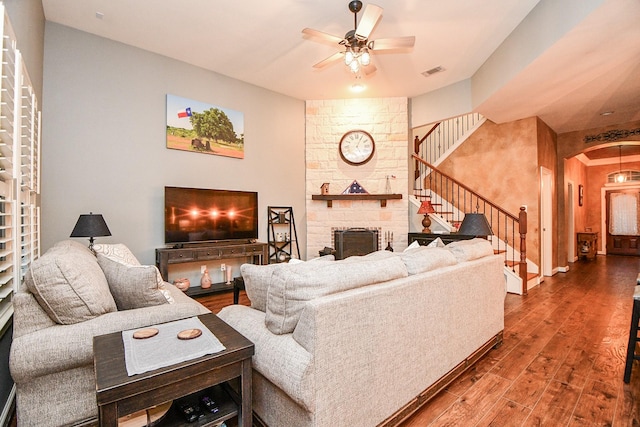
[426,223]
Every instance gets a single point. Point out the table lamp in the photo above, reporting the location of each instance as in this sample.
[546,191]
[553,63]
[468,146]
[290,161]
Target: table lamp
[475,224]
[426,208]
[91,225]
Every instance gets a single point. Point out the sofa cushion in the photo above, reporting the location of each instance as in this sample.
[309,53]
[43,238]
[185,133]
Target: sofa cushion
[468,250]
[69,285]
[372,256]
[426,258]
[257,279]
[132,286]
[291,288]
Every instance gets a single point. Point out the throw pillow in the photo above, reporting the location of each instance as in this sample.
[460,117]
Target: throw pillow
[424,259]
[69,285]
[436,243]
[119,252]
[291,288]
[468,250]
[413,245]
[132,286]
[257,279]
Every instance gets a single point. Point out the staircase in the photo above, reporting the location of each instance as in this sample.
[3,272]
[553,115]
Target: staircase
[452,199]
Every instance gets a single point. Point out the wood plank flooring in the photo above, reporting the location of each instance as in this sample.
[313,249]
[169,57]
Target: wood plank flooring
[562,360]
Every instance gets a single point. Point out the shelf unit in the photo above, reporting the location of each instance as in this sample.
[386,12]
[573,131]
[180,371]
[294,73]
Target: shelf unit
[282,237]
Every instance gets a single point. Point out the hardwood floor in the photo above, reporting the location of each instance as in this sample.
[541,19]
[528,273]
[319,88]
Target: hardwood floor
[562,360]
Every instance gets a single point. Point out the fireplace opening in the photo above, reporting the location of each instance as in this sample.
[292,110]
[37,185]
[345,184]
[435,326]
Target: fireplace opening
[355,241]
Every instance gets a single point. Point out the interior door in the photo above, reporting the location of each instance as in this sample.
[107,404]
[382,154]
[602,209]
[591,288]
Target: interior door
[623,206]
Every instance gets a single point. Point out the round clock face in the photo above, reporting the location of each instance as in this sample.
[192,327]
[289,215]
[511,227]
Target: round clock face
[357,147]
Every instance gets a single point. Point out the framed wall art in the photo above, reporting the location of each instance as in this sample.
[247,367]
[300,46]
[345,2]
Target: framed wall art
[580,195]
[204,128]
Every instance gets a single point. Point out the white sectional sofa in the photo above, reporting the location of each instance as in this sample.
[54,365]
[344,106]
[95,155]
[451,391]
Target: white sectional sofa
[367,340]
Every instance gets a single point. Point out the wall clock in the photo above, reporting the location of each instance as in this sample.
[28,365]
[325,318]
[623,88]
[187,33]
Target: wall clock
[357,147]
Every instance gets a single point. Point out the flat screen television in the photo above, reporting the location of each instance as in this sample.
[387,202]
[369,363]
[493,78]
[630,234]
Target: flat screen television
[194,215]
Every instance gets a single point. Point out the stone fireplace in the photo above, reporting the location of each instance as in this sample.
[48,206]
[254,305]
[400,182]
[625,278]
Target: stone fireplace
[386,119]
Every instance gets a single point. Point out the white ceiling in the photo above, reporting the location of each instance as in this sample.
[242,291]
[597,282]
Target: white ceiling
[593,68]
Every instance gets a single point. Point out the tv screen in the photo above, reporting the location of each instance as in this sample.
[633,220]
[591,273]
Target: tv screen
[206,215]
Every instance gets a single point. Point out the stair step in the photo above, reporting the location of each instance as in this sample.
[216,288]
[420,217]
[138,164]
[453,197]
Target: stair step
[501,251]
[531,276]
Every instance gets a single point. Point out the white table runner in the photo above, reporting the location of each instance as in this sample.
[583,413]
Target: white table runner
[165,349]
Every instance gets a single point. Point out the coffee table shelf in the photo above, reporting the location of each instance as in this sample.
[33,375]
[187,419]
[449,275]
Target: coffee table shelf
[228,409]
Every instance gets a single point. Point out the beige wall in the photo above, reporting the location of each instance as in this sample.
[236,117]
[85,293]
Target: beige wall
[575,173]
[500,162]
[571,144]
[104,140]
[326,121]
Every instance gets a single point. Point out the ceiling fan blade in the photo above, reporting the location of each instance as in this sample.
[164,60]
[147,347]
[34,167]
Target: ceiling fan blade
[370,17]
[392,43]
[330,60]
[321,36]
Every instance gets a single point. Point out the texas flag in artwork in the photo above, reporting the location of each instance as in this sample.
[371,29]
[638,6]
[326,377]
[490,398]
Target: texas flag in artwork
[184,113]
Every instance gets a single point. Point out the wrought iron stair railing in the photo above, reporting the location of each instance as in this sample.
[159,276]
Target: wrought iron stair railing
[454,199]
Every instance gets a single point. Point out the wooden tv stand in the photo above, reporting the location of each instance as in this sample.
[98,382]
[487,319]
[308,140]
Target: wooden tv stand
[254,252]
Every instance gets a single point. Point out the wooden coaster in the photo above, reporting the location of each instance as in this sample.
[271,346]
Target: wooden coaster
[145,333]
[189,334]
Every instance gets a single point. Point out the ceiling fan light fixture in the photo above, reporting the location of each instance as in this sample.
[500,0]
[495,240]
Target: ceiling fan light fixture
[354,66]
[348,57]
[358,87]
[365,57]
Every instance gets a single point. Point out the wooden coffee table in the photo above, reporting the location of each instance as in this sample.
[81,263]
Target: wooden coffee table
[118,394]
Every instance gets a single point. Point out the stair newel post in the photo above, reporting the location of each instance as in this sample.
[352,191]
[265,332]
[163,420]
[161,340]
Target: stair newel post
[522,222]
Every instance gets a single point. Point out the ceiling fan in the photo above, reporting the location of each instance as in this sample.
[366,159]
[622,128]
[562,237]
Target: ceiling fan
[357,46]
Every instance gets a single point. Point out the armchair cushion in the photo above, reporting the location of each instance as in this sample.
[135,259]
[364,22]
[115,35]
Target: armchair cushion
[69,285]
[132,286]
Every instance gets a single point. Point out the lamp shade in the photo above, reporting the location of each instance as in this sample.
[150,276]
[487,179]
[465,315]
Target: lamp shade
[91,225]
[426,208]
[475,224]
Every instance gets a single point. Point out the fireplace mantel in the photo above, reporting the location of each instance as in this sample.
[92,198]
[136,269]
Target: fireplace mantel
[331,197]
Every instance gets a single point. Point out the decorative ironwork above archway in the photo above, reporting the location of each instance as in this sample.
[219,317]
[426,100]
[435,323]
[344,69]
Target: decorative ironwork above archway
[612,135]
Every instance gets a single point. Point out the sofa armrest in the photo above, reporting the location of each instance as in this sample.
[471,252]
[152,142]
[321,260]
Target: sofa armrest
[62,347]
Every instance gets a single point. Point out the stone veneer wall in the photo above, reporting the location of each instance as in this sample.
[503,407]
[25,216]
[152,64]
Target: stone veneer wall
[386,119]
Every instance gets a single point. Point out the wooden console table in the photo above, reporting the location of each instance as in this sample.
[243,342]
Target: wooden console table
[587,245]
[255,252]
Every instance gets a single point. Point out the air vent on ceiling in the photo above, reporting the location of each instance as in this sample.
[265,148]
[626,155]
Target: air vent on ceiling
[432,71]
